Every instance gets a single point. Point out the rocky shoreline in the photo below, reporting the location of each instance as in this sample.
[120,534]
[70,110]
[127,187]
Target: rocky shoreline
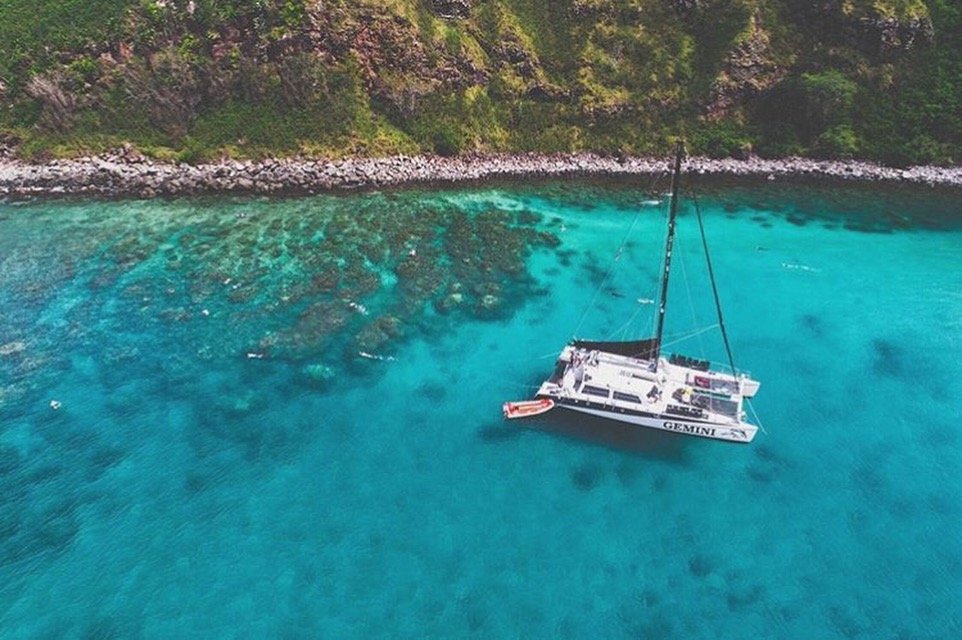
[129,174]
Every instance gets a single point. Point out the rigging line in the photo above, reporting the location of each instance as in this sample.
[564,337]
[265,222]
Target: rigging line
[620,332]
[675,335]
[629,331]
[604,281]
[624,328]
[553,354]
[691,302]
[758,420]
[611,266]
[714,287]
[692,335]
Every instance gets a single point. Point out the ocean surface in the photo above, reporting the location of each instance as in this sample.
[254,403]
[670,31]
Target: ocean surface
[281,417]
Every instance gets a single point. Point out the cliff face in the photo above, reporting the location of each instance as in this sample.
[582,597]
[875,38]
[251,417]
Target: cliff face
[248,77]
[748,71]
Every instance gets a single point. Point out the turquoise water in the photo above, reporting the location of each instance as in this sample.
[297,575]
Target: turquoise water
[225,464]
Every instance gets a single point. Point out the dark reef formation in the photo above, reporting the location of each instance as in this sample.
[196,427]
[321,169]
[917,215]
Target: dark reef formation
[312,291]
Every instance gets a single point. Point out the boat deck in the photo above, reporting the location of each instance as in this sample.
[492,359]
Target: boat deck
[624,383]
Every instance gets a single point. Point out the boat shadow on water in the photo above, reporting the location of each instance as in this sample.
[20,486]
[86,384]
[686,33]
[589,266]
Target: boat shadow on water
[649,443]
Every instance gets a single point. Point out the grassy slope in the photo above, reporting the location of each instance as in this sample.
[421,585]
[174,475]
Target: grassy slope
[611,75]
[33,32]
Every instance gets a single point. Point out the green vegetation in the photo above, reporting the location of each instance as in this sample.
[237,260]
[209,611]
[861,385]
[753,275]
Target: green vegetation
[35,33]
[880,79]
[916,115]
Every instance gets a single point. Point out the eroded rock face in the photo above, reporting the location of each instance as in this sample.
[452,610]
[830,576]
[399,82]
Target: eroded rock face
[57,97]
[749,70]
[512,52]
[395,65]
[452,8]
[8,142]
[688,5]
[878,28]
[889,37]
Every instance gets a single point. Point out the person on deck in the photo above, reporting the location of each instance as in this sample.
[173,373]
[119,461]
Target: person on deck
[654,395]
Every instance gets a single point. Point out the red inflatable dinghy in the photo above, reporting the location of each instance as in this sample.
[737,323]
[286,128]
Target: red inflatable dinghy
[527,408]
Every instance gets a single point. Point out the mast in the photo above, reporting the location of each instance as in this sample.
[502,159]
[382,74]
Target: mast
[673,213]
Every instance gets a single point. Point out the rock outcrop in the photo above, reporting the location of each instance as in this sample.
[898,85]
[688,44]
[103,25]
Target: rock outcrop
[748,71]
[452,8]
[888,37]
[688,5]
[58,101]
[881,28]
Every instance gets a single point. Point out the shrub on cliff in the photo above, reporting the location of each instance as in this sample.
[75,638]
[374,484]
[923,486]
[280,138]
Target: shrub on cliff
[169,86]
[447,140]
[827,99]
[722,140]
[812,111]
[839,142]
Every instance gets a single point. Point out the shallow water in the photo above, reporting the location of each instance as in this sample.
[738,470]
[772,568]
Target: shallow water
[224,463]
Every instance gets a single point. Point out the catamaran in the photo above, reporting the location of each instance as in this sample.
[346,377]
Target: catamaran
[633,382]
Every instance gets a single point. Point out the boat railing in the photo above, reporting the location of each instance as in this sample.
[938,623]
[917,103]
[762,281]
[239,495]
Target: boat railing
[622,361]
[725,368]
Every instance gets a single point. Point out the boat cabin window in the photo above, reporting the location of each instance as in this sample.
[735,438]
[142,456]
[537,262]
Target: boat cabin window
[717,405]
[627,397]
[690,363]
[687,412]
[724,386]
[715,385]
[594,391]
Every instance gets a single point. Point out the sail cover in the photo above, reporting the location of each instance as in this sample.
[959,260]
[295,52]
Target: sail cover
[641,349]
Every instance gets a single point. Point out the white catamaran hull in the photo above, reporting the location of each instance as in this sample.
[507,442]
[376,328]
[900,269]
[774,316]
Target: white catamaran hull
[732,433]
[629,381]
